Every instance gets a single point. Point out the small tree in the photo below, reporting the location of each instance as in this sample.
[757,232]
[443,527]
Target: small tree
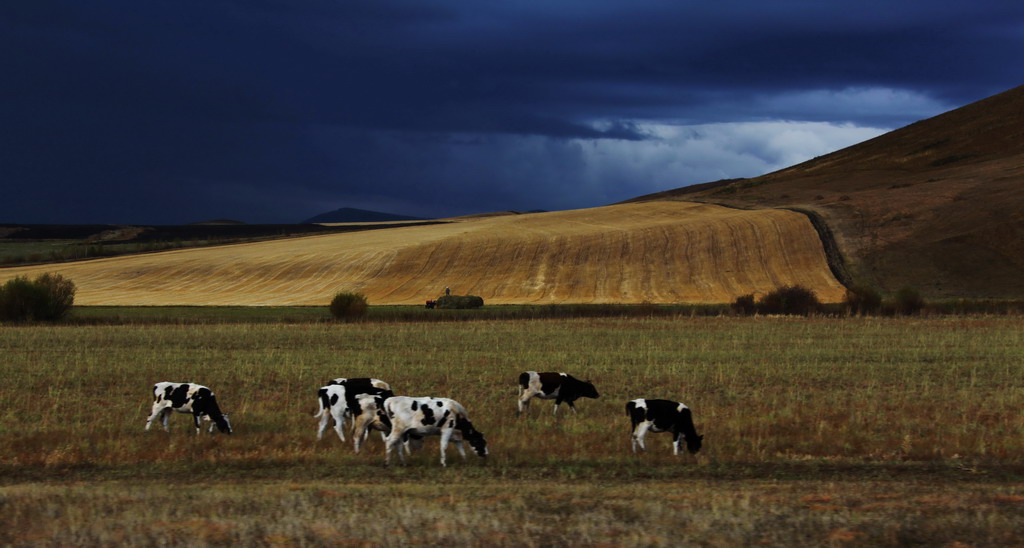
[60,293]
[47,298]
[348,306]
[908,302]
[862,300]
[745,305]
[792,300]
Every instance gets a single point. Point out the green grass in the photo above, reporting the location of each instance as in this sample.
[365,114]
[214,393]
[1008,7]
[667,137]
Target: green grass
[868,431]
[142,315]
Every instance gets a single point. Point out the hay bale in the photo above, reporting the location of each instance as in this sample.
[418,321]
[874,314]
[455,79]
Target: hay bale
[459,301]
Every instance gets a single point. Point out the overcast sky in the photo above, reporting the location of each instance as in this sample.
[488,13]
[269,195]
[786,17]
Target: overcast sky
[176,111]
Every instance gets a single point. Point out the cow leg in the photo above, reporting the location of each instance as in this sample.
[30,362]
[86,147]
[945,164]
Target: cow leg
[638,436]
[157,408]
[339,421]
[446,435]
[197,421]
[325,418]
[462,450]
[360,432]
[524,400]
[411,444]
[165,416]
[394,441]
[572,405]
[677,440]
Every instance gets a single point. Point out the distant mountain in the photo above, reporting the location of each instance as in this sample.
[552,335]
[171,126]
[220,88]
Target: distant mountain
[217,222]
[353,215]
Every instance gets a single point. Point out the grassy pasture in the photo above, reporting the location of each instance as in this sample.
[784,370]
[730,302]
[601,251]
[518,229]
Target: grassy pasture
[817,432]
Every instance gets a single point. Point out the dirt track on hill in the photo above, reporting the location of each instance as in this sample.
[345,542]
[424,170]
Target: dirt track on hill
[658,252]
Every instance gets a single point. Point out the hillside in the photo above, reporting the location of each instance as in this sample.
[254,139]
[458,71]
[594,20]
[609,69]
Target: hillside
[660,252]
[937,205]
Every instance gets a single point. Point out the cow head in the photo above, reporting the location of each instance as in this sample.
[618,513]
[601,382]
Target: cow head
[473,436]
[223,423]
[693,443]
[586,389]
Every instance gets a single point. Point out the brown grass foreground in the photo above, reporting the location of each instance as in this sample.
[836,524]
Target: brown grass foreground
[667,252]
[818,432]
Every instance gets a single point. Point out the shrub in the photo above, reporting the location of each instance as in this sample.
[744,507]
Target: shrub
[47,298]
[347,306]
[459,301]
[792,300]
[861,300]
[745,305]
[908,302]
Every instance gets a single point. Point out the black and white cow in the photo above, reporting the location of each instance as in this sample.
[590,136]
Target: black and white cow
[345,400]
[663,416]
[417,417]
[557,386]
[362,386]
[186,397]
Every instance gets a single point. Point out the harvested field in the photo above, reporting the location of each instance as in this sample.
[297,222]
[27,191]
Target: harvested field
[818,432]
[658,252]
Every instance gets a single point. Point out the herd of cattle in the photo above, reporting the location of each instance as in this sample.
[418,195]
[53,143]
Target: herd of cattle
[404,421]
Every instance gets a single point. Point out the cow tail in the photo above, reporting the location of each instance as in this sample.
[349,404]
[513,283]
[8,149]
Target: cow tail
[323,402]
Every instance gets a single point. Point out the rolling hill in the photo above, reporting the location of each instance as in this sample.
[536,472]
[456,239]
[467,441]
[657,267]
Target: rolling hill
[660,252]
[937,205]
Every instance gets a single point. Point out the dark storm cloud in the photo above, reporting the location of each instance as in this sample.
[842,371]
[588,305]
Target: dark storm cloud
[272,111]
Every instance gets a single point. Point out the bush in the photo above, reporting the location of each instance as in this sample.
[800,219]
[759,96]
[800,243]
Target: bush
[791,300]
[908,302]
[745,305]
[862,300]
[347,306]
[459,301]
[47,298]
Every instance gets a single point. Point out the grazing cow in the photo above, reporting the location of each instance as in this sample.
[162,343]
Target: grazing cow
[663,416]
[342,400]
[417,417]
[557,386]
[355,387]
[187,398]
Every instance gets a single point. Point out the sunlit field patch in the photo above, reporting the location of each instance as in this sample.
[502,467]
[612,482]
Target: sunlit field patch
[817,431]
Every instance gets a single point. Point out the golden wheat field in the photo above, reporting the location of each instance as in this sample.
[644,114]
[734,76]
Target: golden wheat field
[659,252]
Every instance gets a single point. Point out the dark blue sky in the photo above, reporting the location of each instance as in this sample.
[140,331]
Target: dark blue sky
[276,110]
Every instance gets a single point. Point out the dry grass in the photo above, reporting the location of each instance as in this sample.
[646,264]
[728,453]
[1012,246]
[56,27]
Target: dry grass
[668,252]
[491,512]
[936,205]
[818,432]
